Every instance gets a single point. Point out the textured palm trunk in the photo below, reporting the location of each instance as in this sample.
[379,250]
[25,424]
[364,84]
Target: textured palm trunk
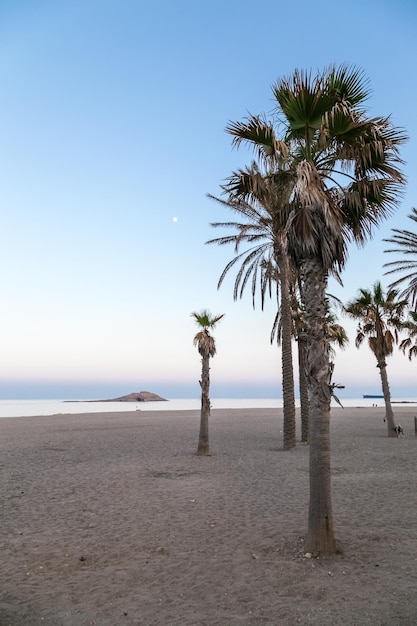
[203,439]
[320,536]
[286,355]
[389,413]
[303,387]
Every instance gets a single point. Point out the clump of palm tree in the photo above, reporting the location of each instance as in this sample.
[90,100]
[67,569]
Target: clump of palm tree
[380,319]
[257,199]
[406,242]
[342,179]
[206,346]
[337,336]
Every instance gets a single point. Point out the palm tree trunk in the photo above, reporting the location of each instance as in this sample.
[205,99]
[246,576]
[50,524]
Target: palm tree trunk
[389,413]
[320,536]
[203,438]
[303,387]
[286,354]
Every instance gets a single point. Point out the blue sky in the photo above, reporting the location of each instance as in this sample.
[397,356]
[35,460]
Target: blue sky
[112,124]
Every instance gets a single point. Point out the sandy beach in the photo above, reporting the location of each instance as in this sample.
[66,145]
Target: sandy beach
[111,519]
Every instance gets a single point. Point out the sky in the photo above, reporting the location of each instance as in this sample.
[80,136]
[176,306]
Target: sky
[112,133]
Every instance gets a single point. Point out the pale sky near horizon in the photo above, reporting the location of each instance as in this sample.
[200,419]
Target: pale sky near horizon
[112,125]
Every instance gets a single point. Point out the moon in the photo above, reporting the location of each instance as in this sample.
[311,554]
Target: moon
[175,219]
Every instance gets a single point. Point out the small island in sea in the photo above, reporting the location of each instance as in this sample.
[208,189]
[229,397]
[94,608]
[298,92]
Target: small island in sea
[141,396]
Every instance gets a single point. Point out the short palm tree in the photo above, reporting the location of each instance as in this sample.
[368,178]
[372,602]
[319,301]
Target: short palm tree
[337,333]
[347,179]
[207,348]
[409,344]
[406,242]
[380,318]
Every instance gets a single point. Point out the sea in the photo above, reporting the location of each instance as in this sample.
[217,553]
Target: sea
[29,408]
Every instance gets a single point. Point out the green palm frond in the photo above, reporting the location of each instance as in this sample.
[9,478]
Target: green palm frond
[303,102]
[406,247]
[262,199]
[203,340]
[409,344]
[205,319]
[260,134]
[348,84]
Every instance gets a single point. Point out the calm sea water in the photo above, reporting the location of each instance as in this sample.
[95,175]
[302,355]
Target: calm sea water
[27,408]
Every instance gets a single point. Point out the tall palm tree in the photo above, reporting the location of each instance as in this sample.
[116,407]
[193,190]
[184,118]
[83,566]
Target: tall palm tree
[301,337]
[347,180]
[380,319]
[207,348]
[255,197]
[297,330]
[406,242]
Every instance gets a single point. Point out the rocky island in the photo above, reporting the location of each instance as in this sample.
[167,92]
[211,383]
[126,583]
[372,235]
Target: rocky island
[141,396]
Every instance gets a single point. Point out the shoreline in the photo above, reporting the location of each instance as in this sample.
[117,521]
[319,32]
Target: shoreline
[32,408]
[408,408]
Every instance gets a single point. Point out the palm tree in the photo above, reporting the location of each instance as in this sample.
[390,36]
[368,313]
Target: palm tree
[406,240]
[337,336]
[301,338]
[381,317]
[297,331]
[410,343]
[207,348]
[255,197]
[347,180]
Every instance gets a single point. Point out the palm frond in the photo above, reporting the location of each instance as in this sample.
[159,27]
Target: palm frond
[260,134]
[348,84]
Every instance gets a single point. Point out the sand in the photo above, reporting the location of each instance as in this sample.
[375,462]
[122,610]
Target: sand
[111,519]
